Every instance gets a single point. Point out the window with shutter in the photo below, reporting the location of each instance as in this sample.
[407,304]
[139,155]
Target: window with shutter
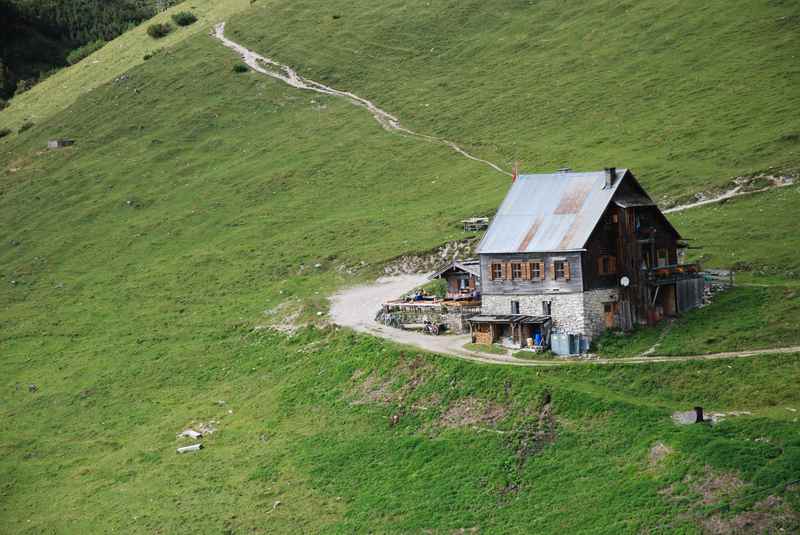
[516,271]
[536,271]
[497,271]
[559,269]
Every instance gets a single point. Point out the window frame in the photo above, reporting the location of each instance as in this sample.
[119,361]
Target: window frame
[559,274]
[516,271]
[497,270]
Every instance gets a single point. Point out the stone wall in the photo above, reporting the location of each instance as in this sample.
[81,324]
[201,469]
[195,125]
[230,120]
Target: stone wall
[572,313]
[594,315]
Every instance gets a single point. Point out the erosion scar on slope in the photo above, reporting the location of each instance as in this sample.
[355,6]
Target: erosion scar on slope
[289,76]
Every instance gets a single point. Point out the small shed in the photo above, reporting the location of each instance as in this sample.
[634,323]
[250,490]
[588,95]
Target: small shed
[59,143]
[463,279]
[514,330]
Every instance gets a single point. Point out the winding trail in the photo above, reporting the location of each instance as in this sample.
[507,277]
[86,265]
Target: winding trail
[737,191]
[356,308]
[289,76]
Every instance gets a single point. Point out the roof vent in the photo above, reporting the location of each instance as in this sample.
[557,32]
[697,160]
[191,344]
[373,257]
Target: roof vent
[564,170]
[611,177]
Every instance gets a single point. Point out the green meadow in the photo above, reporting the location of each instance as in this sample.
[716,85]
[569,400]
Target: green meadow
[141,268]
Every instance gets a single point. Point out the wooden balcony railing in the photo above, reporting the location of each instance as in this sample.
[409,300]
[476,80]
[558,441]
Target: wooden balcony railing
[672,273]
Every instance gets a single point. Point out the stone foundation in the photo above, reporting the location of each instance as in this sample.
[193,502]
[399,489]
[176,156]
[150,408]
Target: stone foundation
[572,313]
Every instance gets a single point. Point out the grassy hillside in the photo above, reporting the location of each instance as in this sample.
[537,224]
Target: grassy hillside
[137,267]
[690,95]
[59,91]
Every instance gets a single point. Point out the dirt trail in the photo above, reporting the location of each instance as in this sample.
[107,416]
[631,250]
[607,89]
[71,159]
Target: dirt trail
[736,191]
[289,76]
[356,308]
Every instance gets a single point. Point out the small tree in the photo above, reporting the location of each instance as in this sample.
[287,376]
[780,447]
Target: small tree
[240,67]
[159,30]
[4,132]
[184,18]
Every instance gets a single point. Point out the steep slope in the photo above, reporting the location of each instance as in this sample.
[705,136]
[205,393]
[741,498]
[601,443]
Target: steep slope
[62,89]
[139,267]
[691,95]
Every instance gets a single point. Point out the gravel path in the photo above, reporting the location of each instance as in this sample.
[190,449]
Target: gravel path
[356,308]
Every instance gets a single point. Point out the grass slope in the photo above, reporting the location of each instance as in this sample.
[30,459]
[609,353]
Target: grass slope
[62,89]
[688,95]
[135,265]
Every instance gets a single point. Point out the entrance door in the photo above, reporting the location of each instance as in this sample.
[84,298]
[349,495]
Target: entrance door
[610,313]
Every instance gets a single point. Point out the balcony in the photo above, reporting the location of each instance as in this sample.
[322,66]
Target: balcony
[671,273]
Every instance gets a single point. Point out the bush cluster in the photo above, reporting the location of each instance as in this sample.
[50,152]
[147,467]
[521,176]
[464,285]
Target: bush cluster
[184,18]
[79,53]
[159,30]
[4,132]
[240,67]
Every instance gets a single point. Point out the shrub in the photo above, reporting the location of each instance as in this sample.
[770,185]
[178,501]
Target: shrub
[3,104]
[79,53]
[240,67]
[4,132]
[25,126]
[184,18]
[22,86]
[159,30]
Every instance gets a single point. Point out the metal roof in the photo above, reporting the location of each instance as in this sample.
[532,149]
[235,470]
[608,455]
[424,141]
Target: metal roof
[470,266]
[550,212]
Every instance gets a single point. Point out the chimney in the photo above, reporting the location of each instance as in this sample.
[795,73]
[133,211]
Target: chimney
[611,177]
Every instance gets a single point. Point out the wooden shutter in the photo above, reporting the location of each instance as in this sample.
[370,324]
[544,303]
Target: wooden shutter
[566,270]
[491,271]
[552,271]
[600,266]
[508,271]
[526,271]
[472,282]
[612,264]
[541,270]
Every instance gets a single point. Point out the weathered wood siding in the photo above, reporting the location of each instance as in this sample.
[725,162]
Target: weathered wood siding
[506,286]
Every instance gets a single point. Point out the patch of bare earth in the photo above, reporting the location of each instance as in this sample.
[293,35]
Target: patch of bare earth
[658,453]
[471,412]
[376,389]
[283,318]
[770,515]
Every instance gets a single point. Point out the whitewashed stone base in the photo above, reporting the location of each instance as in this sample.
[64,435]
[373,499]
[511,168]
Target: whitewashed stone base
[573,313]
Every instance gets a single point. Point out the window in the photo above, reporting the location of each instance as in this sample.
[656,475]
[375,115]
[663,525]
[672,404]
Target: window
[515,307]
[546,308]
[560,270]
[516,271]
[497,271]
[536,271]
[606,265]
[463,283]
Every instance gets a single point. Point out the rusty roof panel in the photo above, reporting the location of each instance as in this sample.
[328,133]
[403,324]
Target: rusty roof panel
[573,197]
[552,212]
[531,233]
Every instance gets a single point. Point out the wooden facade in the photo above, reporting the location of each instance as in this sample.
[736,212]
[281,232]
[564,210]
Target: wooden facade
[601,237]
